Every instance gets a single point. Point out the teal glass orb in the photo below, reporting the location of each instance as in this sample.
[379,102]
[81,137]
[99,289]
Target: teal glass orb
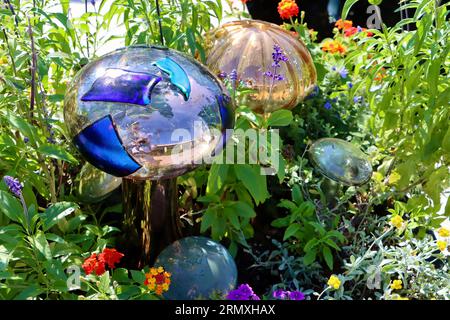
[200,268]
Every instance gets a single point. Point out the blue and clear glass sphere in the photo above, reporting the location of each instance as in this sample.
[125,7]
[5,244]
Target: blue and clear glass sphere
[147,113]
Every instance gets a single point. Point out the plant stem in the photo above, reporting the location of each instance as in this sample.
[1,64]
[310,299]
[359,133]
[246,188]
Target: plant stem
[32,70]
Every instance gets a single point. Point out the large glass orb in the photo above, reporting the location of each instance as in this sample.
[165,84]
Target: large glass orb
[247,46]
[341,161]
[200,268]
[95,185]
[147,113]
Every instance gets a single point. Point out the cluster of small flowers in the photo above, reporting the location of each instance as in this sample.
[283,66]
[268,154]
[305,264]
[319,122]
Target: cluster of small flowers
[334,46]
[243,292]
[158,279]
[349,29]
[97,263]
[232,76]
[277,57]
[14,185]
[288,295]
[444,233]
[287,9]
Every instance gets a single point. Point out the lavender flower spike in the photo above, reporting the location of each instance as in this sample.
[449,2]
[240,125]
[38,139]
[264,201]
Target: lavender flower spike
[277,57]
[13,185]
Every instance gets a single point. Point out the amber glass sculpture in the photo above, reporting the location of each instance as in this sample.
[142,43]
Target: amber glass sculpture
[247,46]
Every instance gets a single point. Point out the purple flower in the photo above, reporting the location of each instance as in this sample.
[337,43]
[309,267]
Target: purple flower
[277,57]
[222,75]
[243,292]
[26,139]
[357,99]
[343,72]
[13,185]
[359,28]
[296,295]
[280,294]
[327,105]
[350,85]
[233,75]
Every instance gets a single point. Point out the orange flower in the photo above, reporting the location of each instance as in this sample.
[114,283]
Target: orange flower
[287,9]
[334,46]
[158,280]
[380,75]
[343,24]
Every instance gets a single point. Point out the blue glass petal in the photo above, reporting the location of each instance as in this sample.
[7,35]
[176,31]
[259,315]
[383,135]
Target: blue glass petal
[178,76]
[227,120]
[118,85]
[226,113]
[100,144]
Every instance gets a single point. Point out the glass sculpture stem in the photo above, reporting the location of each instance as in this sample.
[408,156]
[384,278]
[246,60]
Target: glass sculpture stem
[151,219]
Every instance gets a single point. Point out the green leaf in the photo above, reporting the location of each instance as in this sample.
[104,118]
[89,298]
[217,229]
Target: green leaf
[209,217]
[24,127]
[243,209]
[103,284]
[232,216]
[251,178]
[328,256]
[280,118]
[57,152]
[11,207]
[346,8]
[56,212]
[297,194]
[217,176]
[310,257]
[138,276]
[291,231]
[281,222]
[40,243]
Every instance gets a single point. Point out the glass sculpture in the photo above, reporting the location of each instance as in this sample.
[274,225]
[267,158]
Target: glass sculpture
[341,161]
[148,115]
[199,266]
[247,47]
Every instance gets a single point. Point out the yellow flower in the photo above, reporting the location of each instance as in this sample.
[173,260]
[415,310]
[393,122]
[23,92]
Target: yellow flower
[397,297]
[442,245]
[334,282]
[3,60]
[443,232]
[165,287]
[396,284]
[397,221]
[151,286]
[154,271]
[160,269]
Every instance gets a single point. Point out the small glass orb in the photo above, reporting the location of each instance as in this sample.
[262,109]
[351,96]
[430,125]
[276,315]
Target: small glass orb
[200,268]
[341,161]
[247,47]
[95,185]
[147,113]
